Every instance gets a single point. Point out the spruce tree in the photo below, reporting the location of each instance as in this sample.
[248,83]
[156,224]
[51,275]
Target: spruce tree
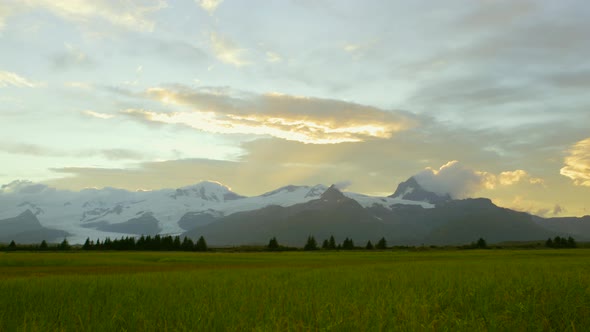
[332,243]
[571,243]
[382,244]
[369,245]
[311,244]
[187,244]
[12,246]
[273,244]
[201,244]
[87,245]
[549,243]
[326,244]
[481,243]
[43,245]
[64,245]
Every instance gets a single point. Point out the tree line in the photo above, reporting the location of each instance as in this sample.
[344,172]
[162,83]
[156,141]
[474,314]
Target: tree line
[174,243]
[147,243]
[561,242]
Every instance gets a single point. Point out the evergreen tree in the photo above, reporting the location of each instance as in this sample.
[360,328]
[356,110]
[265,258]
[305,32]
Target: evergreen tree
[347,244]
[311,244]
[549,243]
[12,246]
[571,243]
[187,244]
[43,245]
[332,243]
[64,245]
[369,245]
[176,243]
[87,245]
[273,244]
[201,244]
[481,243]
[326,244]
[382,244]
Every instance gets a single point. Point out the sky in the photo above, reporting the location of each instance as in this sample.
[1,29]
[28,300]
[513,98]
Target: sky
[475,98]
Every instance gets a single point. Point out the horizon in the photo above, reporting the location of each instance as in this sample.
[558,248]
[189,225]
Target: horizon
[475,99]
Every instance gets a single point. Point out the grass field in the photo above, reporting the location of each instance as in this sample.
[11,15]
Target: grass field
[497,290]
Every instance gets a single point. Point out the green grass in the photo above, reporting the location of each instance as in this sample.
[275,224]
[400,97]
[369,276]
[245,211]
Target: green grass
[496,290]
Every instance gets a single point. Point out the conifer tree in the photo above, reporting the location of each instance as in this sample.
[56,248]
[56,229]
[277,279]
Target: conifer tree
[201,244]
[12,246]
[369,245]
[311,244]
[549,243]
[481,243]
[64,245]
[176,243]
[87,245]
[273,244]
[571,243]
[43,245]
[187,244]
[332,243]
[382,244]
[325,244]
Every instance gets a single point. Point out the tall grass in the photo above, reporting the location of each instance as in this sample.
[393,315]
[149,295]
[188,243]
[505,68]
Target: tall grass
[476,290]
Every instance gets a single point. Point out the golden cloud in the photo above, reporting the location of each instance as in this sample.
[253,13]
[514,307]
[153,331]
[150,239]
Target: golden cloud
[293,118]
[460,181]
[226,51]
[128,14]
[209,5]
[577,163]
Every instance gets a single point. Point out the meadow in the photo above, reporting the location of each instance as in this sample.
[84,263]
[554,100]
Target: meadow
[454,290]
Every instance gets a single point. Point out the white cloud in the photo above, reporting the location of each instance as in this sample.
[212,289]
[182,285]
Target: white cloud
[226,51]
[577,163]
[132,15]
[209,5]
[98,115]
[12,79]
[460,181]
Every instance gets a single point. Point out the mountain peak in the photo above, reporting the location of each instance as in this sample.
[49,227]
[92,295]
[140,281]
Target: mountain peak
[208,191]
[332,194]
[411,190]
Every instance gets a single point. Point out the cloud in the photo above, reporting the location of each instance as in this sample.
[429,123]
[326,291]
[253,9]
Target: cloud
[209,5]
[273,57]
[5,12]
[132,15]
[452,178]
[460,181]
[577,163]
[343,184]
[93,114]
[44,151]
[227,51]
[72,57]
[12,79]
[23,187]
[295,118]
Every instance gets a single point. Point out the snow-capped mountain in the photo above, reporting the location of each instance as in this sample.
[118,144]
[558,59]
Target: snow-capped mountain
[110,212]
[413,191]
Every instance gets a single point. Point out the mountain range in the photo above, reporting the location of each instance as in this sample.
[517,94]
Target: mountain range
[32,212]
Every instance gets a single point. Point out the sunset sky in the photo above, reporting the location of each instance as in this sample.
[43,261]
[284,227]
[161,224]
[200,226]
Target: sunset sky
[477,98]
